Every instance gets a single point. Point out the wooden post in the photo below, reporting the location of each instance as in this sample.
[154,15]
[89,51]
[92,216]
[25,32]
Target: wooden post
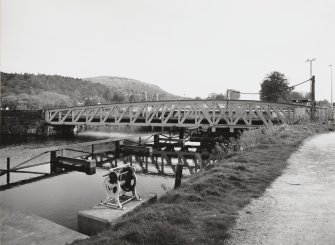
[179,175]
[156,141]
[92,152]
[170,136]
[181,137]
[53,168]
[313,98]
[90,167]
[195,163]
[162,164]
[181,133]
[117,151]
[8,170]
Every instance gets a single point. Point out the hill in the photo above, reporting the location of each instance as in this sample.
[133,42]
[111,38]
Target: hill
[30,91]
[133,88]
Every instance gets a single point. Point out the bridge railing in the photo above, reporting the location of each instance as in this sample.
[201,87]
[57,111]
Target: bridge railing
[185,113]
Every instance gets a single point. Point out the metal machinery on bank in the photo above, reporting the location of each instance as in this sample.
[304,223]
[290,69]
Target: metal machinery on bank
[120,186]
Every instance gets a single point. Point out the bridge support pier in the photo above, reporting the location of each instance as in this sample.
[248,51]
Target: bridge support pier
[61,130]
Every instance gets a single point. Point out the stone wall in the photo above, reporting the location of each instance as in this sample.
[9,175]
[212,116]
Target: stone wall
[22,122]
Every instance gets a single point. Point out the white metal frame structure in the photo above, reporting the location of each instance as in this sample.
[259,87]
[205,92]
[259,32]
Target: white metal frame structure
[186,113]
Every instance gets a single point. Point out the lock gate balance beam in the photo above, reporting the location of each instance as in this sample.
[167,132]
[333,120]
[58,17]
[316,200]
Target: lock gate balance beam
[73,164]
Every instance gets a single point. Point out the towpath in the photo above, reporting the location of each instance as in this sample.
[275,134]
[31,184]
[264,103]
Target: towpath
[299,207]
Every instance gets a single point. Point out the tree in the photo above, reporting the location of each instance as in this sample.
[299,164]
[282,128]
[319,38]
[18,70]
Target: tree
[323,103]
[95,100]
[211,96]
[49,100]
[22,100]
[220,97]
[214,96]
[9,101]
[294,95]
[108,95]
[131,98]
[274,88]
[118,97]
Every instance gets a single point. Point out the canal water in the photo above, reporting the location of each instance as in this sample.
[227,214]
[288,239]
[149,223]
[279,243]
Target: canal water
[59,198]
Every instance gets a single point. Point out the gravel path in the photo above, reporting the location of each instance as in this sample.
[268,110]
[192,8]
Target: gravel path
[299,207]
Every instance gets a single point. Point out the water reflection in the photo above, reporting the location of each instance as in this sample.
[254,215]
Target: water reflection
[60,198]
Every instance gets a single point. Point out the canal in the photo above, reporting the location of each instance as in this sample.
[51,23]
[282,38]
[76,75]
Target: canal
[59,198]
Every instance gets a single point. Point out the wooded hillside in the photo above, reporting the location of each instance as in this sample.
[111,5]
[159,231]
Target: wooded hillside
[133,88]
[29,91]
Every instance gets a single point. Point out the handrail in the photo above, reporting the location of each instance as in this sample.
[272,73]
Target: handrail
[67,149]
[96,142]
[15,167]
[30,166]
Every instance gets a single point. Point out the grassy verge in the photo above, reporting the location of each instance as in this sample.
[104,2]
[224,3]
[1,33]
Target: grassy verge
[205,207]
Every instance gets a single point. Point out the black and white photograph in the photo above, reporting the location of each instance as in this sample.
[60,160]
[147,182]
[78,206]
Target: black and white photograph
[191,122]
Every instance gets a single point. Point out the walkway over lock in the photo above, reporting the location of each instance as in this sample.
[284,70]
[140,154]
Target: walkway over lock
[186,114]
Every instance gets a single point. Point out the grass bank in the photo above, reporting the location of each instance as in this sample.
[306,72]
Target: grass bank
[206,205]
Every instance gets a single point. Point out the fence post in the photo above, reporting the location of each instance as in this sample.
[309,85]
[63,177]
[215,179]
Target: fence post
[8,170]
[53,166]
[179,175]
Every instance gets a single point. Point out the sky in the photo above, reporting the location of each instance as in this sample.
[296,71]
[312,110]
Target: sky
[187,47]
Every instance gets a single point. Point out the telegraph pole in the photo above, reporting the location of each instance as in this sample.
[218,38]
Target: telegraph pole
[312,89]
[331,92]
[313,98]
[310,66]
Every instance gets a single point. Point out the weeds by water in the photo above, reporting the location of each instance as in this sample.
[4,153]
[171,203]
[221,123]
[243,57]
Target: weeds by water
[203,209]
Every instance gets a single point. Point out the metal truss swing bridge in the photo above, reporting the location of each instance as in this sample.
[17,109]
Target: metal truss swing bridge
[186,114]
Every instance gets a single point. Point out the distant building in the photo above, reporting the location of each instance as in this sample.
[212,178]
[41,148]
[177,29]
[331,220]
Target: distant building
[233,94]
[302,102]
